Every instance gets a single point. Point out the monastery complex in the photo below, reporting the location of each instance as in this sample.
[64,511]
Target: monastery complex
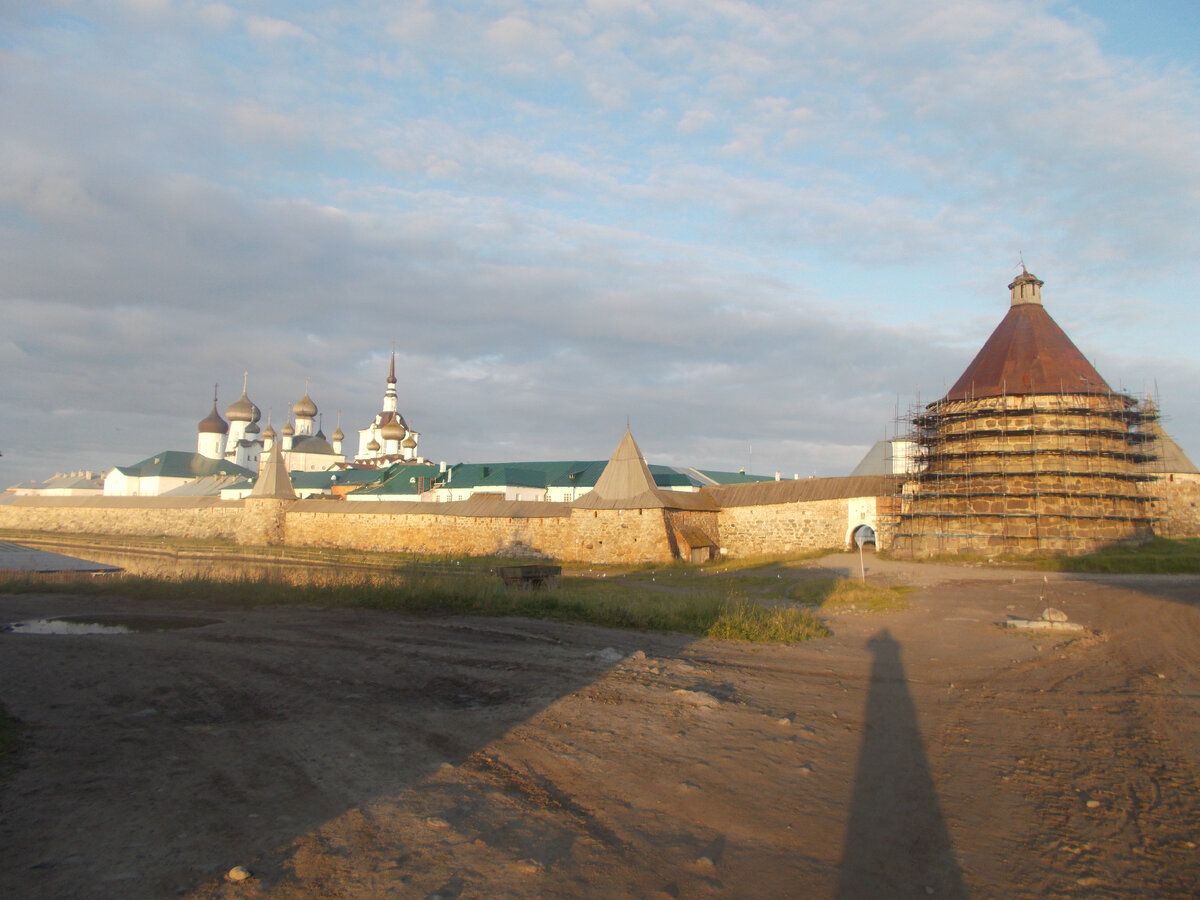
[1030,452]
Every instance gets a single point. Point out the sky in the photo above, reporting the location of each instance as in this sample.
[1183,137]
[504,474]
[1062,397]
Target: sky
[760,233]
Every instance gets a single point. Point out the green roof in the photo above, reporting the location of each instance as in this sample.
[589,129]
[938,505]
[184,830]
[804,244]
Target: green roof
[180,464]
[329,477]
[734,477]
[580,474]
[404,480]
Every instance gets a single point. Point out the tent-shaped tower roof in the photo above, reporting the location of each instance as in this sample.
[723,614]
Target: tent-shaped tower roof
[626,483]
[1028,353]
[273,481]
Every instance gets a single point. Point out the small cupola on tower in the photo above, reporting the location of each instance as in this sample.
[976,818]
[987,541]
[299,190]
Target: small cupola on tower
[338,436]
[1026,288]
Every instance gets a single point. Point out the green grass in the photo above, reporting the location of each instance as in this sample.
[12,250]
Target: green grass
[609,602]
[844,594]
[1161,556]
[726,566]
[745,620]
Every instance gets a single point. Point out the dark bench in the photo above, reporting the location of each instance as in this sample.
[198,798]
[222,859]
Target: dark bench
[530,576]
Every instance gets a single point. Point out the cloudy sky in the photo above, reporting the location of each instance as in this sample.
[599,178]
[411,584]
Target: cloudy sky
[753,230]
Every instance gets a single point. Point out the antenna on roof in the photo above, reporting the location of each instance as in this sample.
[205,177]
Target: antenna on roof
[1021,255]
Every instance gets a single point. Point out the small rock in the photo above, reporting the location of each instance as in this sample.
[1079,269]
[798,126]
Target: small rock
[637,655]
[1050,614]
[1093,804]
[435,822]
[804,770]
[237,874]
[705,864]
[784,721]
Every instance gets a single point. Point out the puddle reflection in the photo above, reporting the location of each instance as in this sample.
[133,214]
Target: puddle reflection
[106,624]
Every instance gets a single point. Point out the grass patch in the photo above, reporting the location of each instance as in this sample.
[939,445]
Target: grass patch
[1161,556]
[420,589]
[726,566]
[843,594]
[744,620]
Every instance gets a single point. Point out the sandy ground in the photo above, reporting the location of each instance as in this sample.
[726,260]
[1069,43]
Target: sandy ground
[352,754]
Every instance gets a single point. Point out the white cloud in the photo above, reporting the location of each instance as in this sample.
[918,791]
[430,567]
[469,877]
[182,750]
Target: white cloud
[730,221]
[697,120]
[272,29]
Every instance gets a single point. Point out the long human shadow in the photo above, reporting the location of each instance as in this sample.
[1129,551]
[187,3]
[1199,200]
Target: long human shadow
[897,843]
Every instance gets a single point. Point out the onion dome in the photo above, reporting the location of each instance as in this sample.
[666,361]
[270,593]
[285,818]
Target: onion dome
[409,443]
[373,446]
[393,430]
[253,428]
[268,433]
[305,408]
[213,423]
[337,435]
[320,435]
[242,410]
[288,430]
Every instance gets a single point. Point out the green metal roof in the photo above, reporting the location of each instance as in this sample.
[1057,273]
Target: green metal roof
[734,477]
[180,464]
[330,477]
[404,480]
[580,474]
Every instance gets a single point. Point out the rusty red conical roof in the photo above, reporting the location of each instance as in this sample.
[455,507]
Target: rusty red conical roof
[1028,353]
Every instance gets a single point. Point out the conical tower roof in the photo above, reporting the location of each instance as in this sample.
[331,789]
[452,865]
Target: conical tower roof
[626,483]
[273,481]
[1028,353]
[1171,458]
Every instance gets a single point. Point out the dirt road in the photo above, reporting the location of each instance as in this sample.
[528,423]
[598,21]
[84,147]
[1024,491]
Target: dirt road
[341,754]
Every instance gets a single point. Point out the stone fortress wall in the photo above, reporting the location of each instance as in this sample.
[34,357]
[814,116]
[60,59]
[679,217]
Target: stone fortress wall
[1176,505]
[603,537]
[535,530]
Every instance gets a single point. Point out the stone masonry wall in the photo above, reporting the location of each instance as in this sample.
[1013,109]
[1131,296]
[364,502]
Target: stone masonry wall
[1177,506]
[749,531]
[600,536]
[90,516]
[604,537]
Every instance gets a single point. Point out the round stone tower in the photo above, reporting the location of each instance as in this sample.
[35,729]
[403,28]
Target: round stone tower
[1029,452]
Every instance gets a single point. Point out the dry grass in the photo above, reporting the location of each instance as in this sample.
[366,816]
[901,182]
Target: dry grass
[745,620]
[611,602]
[845,595]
